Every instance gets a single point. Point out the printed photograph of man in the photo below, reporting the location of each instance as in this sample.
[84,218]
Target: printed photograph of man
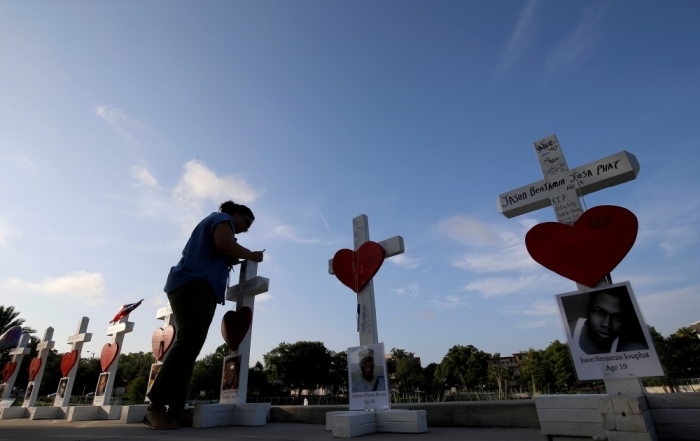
[368,381]
[28,393]
[606,324]
[61,392]
[155,368]
[3,387]
[231,370]
[102,384]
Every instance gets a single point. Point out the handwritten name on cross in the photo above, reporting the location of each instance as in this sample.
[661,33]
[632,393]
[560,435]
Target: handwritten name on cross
[249,285]
[561,187]
[43,349]
[76,341]
[117,332]
[17,354]
[367,320]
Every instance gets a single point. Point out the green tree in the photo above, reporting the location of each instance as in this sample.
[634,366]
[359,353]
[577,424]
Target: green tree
[301,365]
[434,388]
[548,370]
[338,373]
[206,375]
[86,378]
[464,366]
[499,375]
[8,319]
[136,390]
[405,371]
[257,381]
[132,366]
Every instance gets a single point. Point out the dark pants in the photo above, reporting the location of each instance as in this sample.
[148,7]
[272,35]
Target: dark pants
[193,306]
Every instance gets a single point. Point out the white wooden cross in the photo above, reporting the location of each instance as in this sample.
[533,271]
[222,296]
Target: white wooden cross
[249,285]
[166,314]
[76,341]
[43,349]
[17,354]
[367,320]
[117,332]
[561,188]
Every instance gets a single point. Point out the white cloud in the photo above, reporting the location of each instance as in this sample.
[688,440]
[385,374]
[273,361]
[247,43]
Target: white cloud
[577,45]
[449,302]
[519,39]
[286,232]
[115,115]
[198,183]
[411,290]
[143,176]
[7,232]
[405,261]
[83,285]
[467,230]
[532,325]
[510,257]
[671,309]
[537,309]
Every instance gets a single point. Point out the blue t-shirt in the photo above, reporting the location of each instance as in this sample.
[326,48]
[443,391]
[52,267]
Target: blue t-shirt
[201,260]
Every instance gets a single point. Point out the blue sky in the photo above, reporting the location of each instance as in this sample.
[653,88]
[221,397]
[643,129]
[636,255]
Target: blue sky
[122,124]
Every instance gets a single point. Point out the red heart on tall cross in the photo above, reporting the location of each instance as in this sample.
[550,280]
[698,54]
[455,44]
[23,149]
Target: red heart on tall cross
[34,367]
[110,352]
[68,361]
[161,341]
[235,325]
[355,268]
[8,370]
[589,249]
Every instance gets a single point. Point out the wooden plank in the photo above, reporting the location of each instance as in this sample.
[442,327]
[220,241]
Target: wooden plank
[402,426]
[256,285]
[570,415]
[676,416]
[400,416]
[392,247]
[597,175]
[572,429]
[581,401]
[354,430]
[687,400]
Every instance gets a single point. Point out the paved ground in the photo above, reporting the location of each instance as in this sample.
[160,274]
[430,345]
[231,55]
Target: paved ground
[20,430]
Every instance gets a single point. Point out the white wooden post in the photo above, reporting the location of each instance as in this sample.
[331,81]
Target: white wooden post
[76,341]
[17,354]
[117,332]
[249,285]
[43,349]
[367,320]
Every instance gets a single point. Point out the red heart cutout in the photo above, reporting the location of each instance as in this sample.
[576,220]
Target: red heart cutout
[235,325]
[34,366]
[589,249]
[68,361]
[8,370]
[355,268]
[161,341]
[110,352]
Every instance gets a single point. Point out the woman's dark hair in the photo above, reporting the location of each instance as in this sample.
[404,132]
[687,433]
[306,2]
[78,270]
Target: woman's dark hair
[230,207]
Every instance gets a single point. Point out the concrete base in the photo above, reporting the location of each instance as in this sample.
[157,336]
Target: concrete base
[111,412]
[13,413]
[351,424]
[133,414]
[402,421]
[47,413]
[83,413]
[215,415]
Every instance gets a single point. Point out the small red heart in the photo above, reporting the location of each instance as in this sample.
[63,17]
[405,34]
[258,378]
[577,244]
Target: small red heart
[161,341]
[110,352]
[8,370]
[589,249]
[235,325]
[355,268]
[68,361]
[34,366]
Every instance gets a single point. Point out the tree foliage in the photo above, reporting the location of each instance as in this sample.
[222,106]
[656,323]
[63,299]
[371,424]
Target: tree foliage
[549,369]
[464,366]
[338,374]
[206,375]
[301,365]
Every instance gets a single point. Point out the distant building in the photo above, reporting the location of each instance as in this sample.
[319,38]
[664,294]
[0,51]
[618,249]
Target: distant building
[696,327]
[513,364]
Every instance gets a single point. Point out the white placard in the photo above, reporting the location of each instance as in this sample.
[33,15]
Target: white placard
[607,335]
[367,377]
[28,394]
[101,389]
[230,380]
[155,370]
[6,403]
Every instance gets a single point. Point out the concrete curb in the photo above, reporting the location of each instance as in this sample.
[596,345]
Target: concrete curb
[504,413]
